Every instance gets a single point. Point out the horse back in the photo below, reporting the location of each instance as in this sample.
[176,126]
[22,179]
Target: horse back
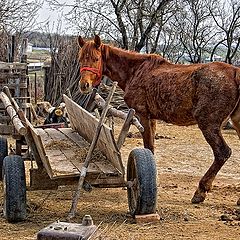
[175,93]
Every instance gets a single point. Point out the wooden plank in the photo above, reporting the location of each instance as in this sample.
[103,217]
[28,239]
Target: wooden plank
[71,156]
[39,145]
[58,161]
[55,134]
[60,164]
[85,124]
[63,154]
[74,136]
[44,135]
[106,168]
[13,85]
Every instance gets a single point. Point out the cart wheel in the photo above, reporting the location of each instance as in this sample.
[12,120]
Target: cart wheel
[14,189]
[3,152]
[141,174]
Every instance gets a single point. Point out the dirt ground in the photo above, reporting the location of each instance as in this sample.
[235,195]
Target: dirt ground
[182,157]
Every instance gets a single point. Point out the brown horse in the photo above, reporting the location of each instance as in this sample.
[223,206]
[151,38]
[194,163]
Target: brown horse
[203,94]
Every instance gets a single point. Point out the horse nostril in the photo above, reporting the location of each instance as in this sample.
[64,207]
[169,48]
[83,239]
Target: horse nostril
[84,86]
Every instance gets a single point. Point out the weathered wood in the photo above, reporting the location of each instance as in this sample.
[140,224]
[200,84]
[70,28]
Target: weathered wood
[90,151]
[60,164]
[63,162]
[29,138]
[12,100]
[37,182]
[55,134]
[13,114]
[125,128]
[40,180]
[74,136]
[6,129]
[85,124]
[41,150]
[106,168]
[54,161]
[108,181]
[147,218]
[117,113]
[33,112]
[15,65]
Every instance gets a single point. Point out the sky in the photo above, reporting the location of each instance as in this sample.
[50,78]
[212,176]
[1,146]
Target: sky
[53,16]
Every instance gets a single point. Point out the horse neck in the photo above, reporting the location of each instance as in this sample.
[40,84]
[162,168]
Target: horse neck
[120,65]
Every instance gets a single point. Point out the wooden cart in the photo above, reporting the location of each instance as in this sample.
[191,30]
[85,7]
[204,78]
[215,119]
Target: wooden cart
[58,162]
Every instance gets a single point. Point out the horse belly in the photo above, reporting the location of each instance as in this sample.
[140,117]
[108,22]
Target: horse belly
[176,109]
[181,117]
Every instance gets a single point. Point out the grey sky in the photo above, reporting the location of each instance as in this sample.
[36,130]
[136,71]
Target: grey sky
[53,16]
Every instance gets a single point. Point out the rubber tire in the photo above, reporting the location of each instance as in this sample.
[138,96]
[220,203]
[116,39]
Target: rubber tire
[141,170]
[14,188]
[3,152]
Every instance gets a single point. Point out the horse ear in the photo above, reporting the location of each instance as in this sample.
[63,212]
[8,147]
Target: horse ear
[97,41]
[81,42]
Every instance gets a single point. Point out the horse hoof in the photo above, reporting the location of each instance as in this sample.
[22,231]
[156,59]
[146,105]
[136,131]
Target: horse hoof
[198,197]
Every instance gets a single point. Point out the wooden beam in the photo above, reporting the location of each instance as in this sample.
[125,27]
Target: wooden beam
[13,114]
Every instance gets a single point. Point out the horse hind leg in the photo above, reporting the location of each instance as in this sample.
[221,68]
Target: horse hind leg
[235,118]
[221,153]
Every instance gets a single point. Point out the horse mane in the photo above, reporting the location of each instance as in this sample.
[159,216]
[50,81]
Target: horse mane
[152,59]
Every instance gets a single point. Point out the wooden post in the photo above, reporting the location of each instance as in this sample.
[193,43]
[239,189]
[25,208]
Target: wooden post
[35,88]
[12,100]
[23,57]
[117,113]
[12,49]
[125,128]
[89,155]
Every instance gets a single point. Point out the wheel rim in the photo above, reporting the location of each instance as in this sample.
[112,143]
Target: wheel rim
[134,190]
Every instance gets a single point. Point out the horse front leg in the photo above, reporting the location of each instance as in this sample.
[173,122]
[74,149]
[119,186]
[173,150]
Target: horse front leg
[149,132]
[221,153]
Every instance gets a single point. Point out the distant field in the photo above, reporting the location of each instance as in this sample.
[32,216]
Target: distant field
[39,55]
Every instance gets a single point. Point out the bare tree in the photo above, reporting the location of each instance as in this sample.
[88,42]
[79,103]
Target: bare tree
[226,15]
[194,28]
[16,16]
[128,23]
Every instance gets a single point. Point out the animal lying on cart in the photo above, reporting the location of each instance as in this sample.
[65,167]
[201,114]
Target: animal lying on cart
[59,155]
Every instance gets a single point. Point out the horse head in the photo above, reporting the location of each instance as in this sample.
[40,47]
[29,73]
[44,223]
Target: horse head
[91,65]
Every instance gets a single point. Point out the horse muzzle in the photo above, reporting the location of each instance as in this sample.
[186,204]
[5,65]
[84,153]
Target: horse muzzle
[85,87]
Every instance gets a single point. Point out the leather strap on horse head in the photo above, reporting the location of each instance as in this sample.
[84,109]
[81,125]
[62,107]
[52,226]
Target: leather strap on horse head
[97,71]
